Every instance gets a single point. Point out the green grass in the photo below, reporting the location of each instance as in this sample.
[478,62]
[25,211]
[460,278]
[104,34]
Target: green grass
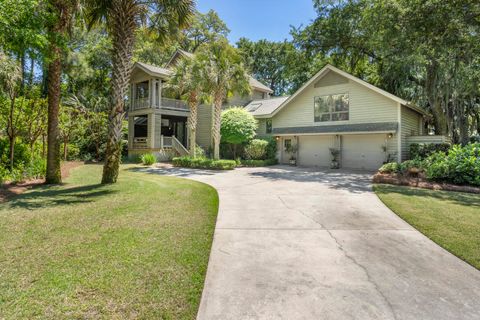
[451,219]
[136,249]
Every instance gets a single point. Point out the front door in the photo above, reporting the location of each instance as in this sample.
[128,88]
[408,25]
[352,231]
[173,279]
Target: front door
[175,126]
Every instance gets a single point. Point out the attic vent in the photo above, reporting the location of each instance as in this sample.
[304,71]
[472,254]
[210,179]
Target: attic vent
[253,107]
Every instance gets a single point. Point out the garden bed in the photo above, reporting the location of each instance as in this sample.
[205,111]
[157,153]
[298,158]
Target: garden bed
[421,182]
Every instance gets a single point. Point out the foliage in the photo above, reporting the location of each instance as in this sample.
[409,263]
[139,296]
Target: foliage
[422,151]
[203,163]
[408,165]
[148,159]
[22,153]
[258,163]
[271,147]
[238,126]
[461,165]
[391,167]
[199,152]
[256,149]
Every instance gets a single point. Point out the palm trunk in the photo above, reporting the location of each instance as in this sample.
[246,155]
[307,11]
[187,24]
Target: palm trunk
[192,126]
[53,175]
[217,117]
[123,15]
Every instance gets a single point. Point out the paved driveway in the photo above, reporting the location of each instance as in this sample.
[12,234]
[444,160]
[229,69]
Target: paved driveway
[294,243]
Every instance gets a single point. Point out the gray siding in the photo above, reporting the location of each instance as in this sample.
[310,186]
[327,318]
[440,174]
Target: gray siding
[410,125]
[204,126]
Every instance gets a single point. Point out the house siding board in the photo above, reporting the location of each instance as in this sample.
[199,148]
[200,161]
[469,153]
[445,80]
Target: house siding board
[204,126]
[357,127]
[410,127]
[366,106]
[158,130]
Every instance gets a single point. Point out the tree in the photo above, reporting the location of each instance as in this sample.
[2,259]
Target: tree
[186,81]
[10,77]
[35,115]
[223,76]
[62,15]
[205,28]
[238,126]
[123,18]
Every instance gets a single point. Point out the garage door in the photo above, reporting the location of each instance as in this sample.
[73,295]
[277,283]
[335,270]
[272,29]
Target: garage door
[363,151]
[313,151]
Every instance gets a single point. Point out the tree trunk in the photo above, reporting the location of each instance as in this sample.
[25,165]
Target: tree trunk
[192,126]
[217,118]
[11,132]
[123,25]
[53,175]
[434,99]
[12,151]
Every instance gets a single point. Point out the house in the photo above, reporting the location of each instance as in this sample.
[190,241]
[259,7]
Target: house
[333,110]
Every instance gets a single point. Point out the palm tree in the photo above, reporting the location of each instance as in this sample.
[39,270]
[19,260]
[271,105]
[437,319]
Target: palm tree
[223,75]
[63,12]
[186,81]
[123,18]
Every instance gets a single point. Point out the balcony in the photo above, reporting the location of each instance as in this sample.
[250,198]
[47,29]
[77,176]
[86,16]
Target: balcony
[165,103]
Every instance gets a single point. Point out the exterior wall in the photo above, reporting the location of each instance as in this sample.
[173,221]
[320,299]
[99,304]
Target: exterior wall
[157,130]
[365,106]
[262,127]
[204,126]
[237,100]
[428,139]
[409,127]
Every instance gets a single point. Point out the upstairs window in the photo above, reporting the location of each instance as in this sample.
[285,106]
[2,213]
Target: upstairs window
[142,90]
[268,126]
[332,107]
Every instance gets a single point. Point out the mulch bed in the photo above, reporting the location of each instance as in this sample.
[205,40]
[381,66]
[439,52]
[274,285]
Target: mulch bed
[421,182]
[9,190]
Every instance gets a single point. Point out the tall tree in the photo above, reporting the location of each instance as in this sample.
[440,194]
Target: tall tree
[224,75]
[186,81]
[62,15]
[123,18]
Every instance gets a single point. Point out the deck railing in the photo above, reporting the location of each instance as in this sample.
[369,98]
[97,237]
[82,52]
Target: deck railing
[165,103]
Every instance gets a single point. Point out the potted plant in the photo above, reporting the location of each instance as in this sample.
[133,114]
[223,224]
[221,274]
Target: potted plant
[292,149]
[335,164]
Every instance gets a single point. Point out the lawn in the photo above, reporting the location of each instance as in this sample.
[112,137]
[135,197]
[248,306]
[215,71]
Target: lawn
[136,249]
[451,219]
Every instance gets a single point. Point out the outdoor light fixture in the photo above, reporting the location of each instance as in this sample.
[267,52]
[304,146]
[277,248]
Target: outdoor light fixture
[390,135]
[277,138]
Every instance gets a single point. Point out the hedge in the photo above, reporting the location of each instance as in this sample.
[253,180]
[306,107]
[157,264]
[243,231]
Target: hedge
[204,163]
[422,151]
[258,163]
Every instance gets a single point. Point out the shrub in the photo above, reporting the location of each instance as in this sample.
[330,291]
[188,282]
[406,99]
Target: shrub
[256,149]
[271,148]
[238,126]
[461,165]
[148,159]
[408,165]
[21,153]
[422,151]
[199,152]
[391,167]
[259,163]
[203,163]
[37,168]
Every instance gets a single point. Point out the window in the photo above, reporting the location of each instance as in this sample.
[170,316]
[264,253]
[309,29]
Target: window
[287,144]
[268,126]
[142,90]
[333,107]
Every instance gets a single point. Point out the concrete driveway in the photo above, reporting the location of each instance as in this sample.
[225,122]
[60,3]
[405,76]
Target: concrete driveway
[294,243]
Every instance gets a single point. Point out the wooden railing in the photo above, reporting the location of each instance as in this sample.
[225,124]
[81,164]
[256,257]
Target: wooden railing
[179,147]
[140,143]
[165,103]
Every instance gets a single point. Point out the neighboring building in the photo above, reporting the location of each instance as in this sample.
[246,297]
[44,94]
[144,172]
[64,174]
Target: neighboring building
[332,110]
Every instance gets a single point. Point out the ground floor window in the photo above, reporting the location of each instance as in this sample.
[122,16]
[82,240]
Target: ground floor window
[140,127]
[268,126]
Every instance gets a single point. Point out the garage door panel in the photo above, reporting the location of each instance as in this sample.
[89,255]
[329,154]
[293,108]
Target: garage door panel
[313,151]
[363,151]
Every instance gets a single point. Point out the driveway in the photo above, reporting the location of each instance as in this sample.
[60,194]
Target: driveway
[294,243]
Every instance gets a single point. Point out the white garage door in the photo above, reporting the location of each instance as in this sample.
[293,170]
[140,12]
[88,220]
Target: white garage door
[313,151]
[363,151]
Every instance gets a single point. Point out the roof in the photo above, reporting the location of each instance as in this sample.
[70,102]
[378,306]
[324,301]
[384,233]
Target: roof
[329,68]
[254,83]
[153,70]
[341,128]
[264,107]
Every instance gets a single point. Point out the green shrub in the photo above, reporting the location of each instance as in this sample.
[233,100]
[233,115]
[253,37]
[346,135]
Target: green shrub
[422,151]
[259,163]
[256,149]
[199,152]
[391,167]
[411,164]
[203,163]
[461,165]
[37,168]
[148,159]
[21,153]
[271,148]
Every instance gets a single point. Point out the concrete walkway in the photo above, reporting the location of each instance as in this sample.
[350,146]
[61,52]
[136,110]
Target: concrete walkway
[295,243]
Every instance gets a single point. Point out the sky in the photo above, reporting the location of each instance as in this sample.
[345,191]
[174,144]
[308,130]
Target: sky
[260,19]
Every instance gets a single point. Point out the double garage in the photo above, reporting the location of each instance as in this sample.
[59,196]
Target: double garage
[358,151]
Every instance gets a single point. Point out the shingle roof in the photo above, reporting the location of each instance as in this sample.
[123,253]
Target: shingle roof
[258,85]
[153,70]
[359,127]
[264,107]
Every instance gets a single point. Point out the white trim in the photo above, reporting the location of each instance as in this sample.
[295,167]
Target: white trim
[399,133]
[331,133]
[329,67]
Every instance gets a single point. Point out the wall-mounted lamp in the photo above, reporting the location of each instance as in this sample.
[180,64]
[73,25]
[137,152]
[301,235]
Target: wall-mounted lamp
[390,135]
[277,138]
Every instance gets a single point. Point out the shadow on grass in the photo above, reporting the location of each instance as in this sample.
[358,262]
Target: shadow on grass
[47,196]
[175,171]
[467,199]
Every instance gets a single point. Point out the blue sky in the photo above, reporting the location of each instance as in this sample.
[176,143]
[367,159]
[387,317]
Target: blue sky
[260,19]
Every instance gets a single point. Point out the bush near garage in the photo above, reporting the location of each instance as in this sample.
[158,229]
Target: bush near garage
[424,150]
[204,163]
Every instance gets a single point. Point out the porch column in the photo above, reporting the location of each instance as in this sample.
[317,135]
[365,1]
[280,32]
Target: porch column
[131,131]
[153,95]
[151,130]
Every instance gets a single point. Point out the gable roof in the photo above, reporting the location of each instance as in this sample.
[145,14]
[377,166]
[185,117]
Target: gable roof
[153,70]
[330,68]
[254,83]
[264,107]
